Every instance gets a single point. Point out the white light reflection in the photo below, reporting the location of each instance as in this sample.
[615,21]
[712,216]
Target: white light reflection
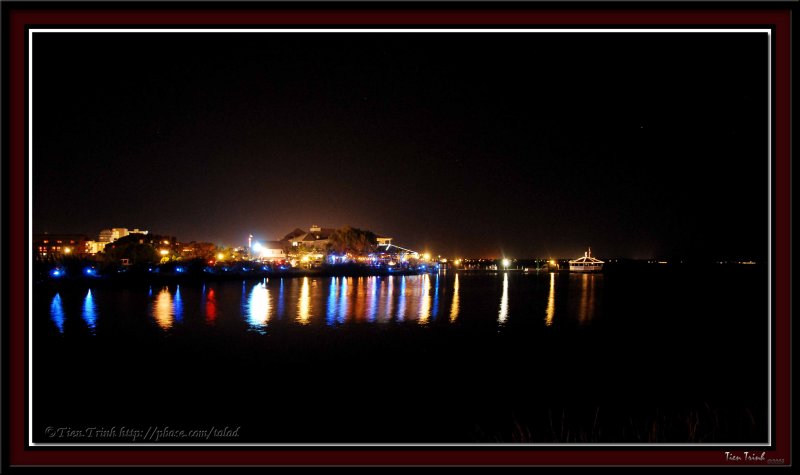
[258,307]
[503,316]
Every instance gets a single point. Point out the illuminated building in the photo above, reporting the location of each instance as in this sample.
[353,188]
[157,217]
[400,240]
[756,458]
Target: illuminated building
[269,250]
[111,235]
[56,245]
[93,247]
[316,237]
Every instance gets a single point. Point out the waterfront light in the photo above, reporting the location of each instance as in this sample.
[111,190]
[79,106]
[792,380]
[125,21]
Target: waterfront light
[506,263]
[426,256]
[552,262]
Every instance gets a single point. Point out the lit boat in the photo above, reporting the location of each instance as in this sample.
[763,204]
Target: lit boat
[587,263]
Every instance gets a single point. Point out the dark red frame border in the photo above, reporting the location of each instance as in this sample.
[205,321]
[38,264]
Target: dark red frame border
[18,18]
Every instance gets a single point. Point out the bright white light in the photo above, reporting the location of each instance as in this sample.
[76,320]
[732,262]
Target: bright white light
[257,247]
[506,262]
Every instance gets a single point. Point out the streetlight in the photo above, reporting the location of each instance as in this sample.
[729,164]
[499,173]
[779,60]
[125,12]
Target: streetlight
[67,250]
[506,263]
[163,252]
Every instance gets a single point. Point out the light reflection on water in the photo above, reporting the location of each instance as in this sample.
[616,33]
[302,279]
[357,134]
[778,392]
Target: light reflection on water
[304,306]
[372,309]
[344,293]
[333,290]
[89,312]
[401,307]
[178,305]
[359,291]
[436,297]
[281,305]
[211,307]
[587,305]
[163,309]
[503,316]
[387,315]
[464,297]
[258,307]
[425,301]
[454,303]
[57,312]
[551,301]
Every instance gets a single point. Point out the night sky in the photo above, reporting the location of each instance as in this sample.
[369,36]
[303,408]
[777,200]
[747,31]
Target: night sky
[468,145]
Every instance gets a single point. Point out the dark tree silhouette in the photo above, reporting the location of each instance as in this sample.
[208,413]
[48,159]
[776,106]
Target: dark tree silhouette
[352,240]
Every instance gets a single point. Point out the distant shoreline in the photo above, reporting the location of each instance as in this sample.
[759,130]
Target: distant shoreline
[147,278]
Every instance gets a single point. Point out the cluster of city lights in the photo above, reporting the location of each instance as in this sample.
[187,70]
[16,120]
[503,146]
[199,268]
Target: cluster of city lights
[258,251]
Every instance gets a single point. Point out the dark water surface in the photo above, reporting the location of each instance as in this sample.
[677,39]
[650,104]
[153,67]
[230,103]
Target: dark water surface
[644,355]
